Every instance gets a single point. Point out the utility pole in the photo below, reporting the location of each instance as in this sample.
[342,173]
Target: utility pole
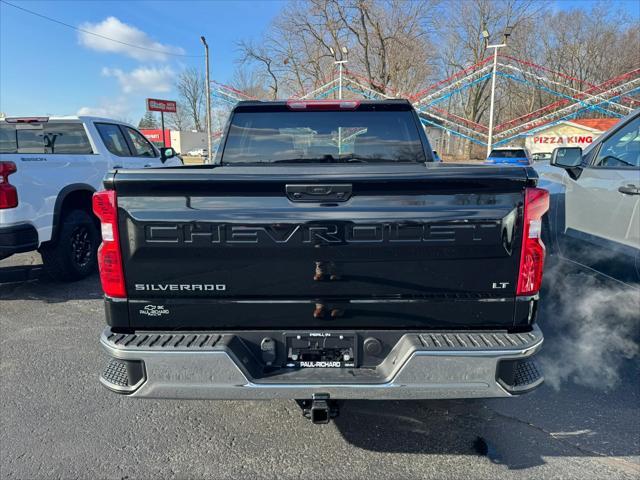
[340,79]
[485,34]
[164,141]
[343,56]
[208,93]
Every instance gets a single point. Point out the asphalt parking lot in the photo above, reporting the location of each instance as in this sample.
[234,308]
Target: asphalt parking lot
[59,422]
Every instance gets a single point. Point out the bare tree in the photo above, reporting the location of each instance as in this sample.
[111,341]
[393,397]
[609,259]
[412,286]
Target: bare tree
[585,50]
[250,82]
[181,120]
[465,45]
[388,43]
[577,43]
[400,47]
[191,90]
[391,39]
[266,60]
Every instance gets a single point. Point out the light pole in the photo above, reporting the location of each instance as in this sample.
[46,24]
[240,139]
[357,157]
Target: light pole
[343,56]
[485,34]
[208,94]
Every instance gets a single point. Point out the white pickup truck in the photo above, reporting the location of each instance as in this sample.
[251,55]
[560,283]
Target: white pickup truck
[49,169]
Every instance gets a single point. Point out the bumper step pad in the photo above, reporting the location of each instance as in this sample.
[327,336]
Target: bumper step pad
[123,376]
[527,373]
[476,341]
[519,376]
[163,341]
[196,341]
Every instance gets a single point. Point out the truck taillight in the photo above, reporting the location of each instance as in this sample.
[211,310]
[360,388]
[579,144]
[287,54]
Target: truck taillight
[105,206]
[536,203]
[8,192]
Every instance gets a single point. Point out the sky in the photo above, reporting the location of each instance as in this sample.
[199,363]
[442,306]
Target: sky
[50,69]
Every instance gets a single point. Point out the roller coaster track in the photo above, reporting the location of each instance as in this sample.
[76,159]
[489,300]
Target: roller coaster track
[615,97]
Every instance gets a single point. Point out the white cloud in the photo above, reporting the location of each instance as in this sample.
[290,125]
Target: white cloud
[118,108]
[113,28]
[143,79]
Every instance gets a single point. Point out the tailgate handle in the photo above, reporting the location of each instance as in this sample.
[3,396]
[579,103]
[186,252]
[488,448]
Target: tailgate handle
[319,192]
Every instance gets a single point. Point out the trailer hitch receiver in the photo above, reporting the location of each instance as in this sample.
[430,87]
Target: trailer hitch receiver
[320,409]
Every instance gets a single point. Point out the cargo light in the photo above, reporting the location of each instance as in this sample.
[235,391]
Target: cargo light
[536,204]
[8,192]
[105,206]
[323,104]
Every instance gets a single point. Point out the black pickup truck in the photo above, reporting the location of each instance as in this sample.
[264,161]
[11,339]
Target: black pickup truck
[325,255]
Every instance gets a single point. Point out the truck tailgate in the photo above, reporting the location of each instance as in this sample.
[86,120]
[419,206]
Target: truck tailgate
[268,247]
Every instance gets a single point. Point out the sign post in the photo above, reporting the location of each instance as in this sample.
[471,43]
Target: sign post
[157,105]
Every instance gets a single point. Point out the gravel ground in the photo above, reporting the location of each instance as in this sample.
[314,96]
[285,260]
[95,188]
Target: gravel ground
[57,421]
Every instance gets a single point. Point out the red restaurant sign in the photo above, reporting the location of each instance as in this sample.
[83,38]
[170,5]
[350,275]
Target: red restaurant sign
[155,136]
[569,139]
[156,105]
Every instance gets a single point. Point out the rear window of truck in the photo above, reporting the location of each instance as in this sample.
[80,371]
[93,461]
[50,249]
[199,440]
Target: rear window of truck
[8,142]
[322,137]
[508,154]
[49,138]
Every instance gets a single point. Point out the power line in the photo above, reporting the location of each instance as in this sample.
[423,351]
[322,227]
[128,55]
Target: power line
[97,34]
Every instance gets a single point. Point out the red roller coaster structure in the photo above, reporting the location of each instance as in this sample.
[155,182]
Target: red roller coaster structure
[615,97]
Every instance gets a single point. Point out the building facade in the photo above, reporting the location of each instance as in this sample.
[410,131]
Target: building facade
[181,142]
[580,132]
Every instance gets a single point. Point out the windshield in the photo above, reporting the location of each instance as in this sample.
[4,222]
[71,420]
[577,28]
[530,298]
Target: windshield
[323,137]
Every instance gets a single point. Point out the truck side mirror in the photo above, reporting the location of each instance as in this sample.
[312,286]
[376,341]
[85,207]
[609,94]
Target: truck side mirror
[166,153]
[569,158]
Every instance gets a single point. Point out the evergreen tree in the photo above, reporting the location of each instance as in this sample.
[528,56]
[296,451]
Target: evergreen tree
[148,121]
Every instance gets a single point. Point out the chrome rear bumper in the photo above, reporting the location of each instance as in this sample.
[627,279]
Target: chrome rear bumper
[431,365]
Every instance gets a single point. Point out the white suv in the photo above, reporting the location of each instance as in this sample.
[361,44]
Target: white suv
[594,215]
[49,169]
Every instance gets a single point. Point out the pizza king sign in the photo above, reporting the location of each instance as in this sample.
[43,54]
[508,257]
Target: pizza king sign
[563,140]
[562,135]
[157,105]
